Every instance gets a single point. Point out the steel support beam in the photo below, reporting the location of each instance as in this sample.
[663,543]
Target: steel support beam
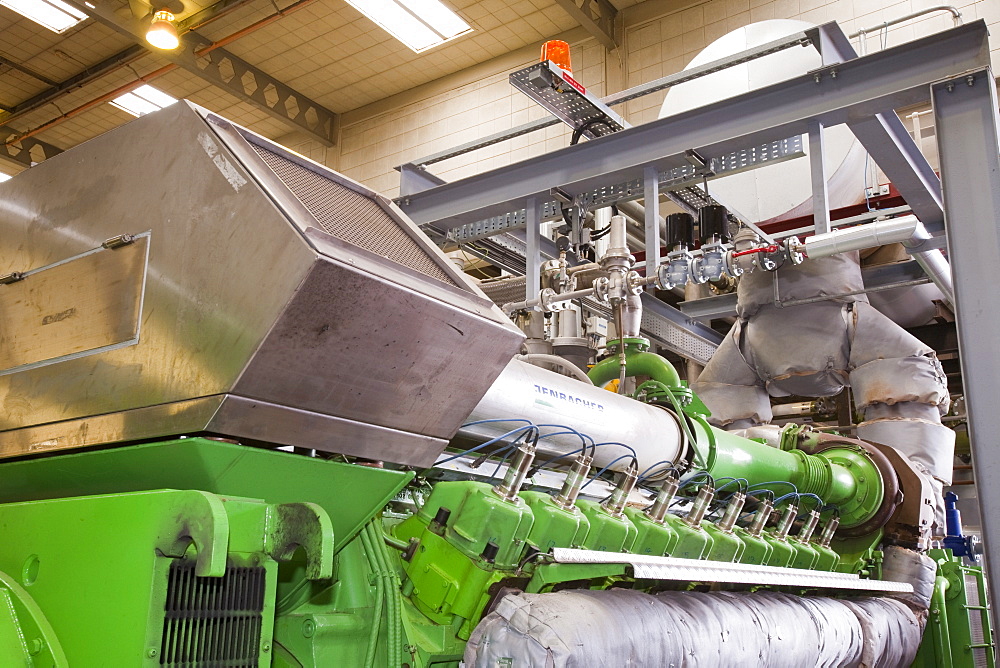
[651,193]
[965,116]
[230,73]
[817,168]
[597,17]
[533,253]
[867,86]
[886,139]
[27,152]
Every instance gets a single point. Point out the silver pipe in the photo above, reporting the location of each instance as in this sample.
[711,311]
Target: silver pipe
[955,15]
[859,237]
[543,397]
[531,303]
[934,263]
[904,229]
[566,365]
[880,288]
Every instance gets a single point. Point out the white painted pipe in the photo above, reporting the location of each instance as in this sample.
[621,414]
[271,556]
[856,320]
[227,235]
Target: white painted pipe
[934,263]
[879,233]
[904,229]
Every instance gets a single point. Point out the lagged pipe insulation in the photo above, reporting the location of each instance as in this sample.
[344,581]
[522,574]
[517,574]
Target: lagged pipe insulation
[816,349]
[619,627]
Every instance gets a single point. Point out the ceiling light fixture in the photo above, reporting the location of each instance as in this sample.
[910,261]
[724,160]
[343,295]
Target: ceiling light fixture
[4,177]
[419,24]
[162,34]
[55,15]
[143,100]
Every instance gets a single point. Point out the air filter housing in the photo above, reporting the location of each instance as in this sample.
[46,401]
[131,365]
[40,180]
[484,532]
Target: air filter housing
[262,297]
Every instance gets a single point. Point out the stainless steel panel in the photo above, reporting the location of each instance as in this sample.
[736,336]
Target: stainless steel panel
[133,425]
[380,350]
[261,421]
[84,305]
[385,355]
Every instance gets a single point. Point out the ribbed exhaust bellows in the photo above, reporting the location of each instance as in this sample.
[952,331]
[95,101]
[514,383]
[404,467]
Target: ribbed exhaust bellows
[577,629]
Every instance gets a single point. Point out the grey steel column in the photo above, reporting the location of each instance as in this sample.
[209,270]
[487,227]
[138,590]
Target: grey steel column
[820,198]
[965,114]
[533,253]
[651,186]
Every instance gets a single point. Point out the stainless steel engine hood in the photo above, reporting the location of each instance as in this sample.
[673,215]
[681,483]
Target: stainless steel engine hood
[258,296]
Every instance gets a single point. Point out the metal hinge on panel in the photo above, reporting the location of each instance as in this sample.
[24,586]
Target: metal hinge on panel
[118,242]
[12,277]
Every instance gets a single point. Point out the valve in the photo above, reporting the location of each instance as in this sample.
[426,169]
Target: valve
[960,545]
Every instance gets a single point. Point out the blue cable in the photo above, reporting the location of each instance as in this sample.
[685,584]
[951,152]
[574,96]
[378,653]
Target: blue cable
[745,485]
[696,476]
[569,430]
[488,443]
[490,421]
[758,485]
[601,472]
[646,474]
[627,447]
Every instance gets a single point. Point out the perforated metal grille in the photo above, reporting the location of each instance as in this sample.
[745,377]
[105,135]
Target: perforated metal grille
[212,622]
[352,217]
[505,290]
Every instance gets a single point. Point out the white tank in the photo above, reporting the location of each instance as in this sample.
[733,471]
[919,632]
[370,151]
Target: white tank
[784,190]
[781,190]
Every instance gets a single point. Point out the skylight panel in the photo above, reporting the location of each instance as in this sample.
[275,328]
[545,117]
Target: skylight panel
[55,15]
[419,24]
[143,100]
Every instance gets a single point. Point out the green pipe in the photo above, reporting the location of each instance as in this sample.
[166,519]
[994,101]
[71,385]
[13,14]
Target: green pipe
[379,584]
[938,621]
[392,592]
[844,476]
[638,362]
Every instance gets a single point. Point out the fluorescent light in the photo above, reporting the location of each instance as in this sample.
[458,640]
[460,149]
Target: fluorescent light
[55,15]
[4,177]
[143,100]
[441,19]
[419,24]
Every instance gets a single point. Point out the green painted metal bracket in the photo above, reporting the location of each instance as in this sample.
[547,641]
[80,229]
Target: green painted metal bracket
[302,525]
[547,575]
[26,637]
[198,518]
[227,469]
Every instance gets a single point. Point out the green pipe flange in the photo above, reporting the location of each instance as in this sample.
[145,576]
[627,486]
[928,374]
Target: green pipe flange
[869,490]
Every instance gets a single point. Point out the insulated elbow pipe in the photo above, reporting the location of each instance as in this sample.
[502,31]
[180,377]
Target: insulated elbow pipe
[906,230]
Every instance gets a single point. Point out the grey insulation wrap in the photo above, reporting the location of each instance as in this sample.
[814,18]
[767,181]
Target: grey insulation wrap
[618,627]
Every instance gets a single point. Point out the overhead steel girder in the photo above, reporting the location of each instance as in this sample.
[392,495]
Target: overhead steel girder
[230,73]
[832,95]
[884,135]
[597,17]
[26,152]
[968,134]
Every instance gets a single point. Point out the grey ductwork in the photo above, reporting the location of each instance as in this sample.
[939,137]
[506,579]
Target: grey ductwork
[817,349]
[619,627]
